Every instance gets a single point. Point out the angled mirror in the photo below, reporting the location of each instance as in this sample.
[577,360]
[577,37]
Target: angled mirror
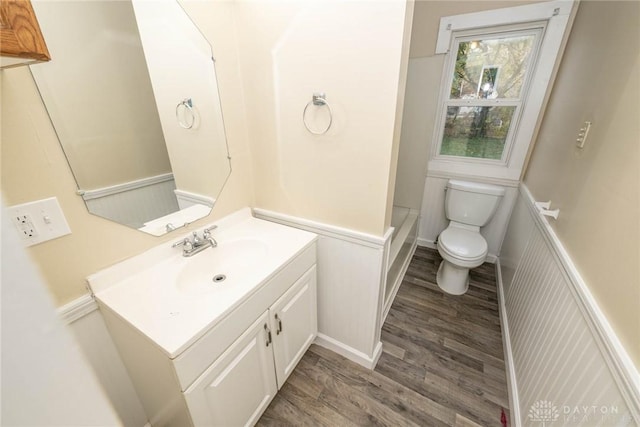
[131,91]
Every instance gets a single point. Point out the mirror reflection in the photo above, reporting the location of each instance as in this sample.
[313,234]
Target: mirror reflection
[132,93]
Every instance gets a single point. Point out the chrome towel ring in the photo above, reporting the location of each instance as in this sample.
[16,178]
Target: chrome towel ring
[188,111]
[319,100]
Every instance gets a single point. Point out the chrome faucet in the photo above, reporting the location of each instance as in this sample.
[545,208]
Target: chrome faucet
[197,244]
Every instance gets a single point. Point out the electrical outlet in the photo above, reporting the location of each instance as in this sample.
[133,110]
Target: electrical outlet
[39,221]
[25,226]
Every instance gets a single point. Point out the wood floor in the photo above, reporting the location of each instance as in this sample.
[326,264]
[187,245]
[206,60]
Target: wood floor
[442,363]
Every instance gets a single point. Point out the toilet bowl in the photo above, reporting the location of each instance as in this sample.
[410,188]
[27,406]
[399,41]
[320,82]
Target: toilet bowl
[468,206]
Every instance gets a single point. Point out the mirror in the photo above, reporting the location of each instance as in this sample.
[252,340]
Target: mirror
[131,91]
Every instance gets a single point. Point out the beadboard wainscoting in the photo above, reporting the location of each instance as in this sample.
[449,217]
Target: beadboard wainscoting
[136,202]
[86,322]
[351,282]
[433,219]
[560,349]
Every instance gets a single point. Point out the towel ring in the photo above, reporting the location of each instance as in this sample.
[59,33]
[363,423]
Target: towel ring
[319,100]
[188,105]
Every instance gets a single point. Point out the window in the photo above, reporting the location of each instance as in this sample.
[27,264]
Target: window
[488,76]
[497,70]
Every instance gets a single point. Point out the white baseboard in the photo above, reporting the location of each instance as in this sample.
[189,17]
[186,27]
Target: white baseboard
[512,386]
[426,243]
[348,352]
[77,309]
[491,258]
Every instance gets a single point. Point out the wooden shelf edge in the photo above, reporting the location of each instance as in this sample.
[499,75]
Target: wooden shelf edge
[20,34]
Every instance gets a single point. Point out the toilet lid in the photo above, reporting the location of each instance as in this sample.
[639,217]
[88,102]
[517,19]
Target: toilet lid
[463,243]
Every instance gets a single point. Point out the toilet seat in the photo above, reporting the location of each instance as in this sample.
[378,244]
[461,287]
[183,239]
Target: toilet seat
[463,246]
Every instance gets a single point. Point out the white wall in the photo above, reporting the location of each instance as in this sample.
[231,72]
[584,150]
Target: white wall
[353,52]
[45,379]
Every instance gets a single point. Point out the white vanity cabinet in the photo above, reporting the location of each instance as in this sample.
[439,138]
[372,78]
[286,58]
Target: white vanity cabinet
[202,353]
[237,388]
[294,324]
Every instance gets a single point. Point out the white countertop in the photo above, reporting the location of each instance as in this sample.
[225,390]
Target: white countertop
[144,290]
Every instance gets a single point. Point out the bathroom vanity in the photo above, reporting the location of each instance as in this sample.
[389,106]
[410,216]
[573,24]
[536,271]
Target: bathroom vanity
[209,339]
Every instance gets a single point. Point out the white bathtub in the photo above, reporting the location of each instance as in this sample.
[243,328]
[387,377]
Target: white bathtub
[403,244]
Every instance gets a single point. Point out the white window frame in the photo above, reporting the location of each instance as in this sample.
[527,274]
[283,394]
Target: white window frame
[554,17]
[535,29]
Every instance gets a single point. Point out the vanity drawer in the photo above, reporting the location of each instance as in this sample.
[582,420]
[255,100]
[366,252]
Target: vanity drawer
[197,358]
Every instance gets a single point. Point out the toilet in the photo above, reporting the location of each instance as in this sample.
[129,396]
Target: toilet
[468,206]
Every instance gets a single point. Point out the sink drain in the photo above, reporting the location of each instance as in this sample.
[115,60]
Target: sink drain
[219,278]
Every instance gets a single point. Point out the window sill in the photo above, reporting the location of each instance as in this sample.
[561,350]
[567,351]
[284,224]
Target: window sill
[498,174]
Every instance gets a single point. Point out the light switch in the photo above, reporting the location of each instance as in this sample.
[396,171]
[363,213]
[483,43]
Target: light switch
[39,221]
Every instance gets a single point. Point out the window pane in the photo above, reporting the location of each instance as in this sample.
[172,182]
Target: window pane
[476,131]
[491,68]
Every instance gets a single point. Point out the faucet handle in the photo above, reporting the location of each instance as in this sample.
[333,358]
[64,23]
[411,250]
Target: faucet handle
[184,242]
[207,231]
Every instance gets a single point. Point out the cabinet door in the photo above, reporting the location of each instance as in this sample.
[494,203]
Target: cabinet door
[294,322]
[238,387]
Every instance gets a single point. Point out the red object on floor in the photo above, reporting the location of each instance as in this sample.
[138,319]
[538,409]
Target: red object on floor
[503,419]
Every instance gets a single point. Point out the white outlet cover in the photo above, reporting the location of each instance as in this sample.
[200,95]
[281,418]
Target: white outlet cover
[45,216]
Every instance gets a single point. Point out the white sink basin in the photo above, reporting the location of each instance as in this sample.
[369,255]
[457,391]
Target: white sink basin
[229,259]
[173,300]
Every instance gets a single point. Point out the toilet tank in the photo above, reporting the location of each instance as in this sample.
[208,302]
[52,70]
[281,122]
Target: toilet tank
[471,203]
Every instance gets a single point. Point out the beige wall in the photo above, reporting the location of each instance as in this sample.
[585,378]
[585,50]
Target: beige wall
[420,107]
[352,51]
[597,189]
[110,136]
[33,167]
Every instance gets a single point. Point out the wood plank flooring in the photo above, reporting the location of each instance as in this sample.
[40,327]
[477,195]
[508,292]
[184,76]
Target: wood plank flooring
[442,363]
